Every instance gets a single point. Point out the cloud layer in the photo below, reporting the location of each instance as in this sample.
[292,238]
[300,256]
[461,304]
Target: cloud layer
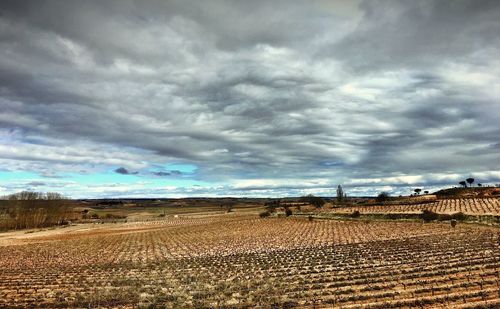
[263,98]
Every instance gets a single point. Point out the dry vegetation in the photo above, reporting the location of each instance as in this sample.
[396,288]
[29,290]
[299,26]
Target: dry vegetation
[238,260]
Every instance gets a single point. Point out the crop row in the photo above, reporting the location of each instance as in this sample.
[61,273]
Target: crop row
[176,240]
[257,262]
[476,206]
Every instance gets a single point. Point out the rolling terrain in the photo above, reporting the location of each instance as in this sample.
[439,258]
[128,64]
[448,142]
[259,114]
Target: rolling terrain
[209,257]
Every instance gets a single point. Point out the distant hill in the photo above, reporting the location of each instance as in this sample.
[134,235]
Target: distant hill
[469,192]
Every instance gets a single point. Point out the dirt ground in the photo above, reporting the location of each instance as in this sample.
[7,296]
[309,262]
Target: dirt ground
[238,259]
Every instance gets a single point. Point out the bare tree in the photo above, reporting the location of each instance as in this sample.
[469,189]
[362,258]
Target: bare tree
[29,209]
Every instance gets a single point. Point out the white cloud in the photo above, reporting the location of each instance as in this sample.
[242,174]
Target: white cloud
[294,97]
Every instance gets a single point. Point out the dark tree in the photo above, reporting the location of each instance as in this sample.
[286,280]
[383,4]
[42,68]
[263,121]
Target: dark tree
[418,190]
[470,181]
[340,194]
[426,192]
[383,196]
[271,206]
[463,184]
[479,184]
[316,201]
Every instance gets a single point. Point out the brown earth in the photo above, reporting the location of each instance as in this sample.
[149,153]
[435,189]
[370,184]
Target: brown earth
[237,259]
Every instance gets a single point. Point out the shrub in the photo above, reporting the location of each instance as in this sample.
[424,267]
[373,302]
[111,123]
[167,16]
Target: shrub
[271,206]
[316,201]
[393,216]
[453,223]
[63,222]
[429,216]
[445,217]
[264,214]
[288,212]
[459,216]
[383,196]
[355,214]
[112,216]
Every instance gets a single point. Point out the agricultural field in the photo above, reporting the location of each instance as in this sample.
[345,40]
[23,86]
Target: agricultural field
[240,260]
[144,210]
[469,206]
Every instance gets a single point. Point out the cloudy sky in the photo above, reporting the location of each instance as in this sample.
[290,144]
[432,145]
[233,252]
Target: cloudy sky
[247,98]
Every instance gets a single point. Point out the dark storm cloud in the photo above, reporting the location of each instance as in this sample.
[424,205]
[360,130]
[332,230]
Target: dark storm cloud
[415,33]
[167,173]
[23,86]
[36,183]
[124,171]
[248,90]
[161,173]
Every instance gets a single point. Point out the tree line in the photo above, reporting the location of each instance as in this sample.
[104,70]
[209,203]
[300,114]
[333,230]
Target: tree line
[29,209]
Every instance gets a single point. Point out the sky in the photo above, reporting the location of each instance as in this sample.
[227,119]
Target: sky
[124,98]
